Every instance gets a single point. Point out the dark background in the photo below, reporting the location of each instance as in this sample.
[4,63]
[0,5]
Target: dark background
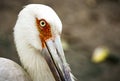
[87,24]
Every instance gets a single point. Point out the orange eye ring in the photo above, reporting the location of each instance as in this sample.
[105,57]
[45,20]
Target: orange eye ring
[44,29]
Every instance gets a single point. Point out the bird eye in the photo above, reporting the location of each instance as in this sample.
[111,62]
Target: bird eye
[42,23]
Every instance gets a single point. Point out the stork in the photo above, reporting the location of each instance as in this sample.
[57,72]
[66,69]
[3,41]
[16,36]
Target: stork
[37,38]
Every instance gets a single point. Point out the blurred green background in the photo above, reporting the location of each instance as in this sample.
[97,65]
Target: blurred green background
[87,24]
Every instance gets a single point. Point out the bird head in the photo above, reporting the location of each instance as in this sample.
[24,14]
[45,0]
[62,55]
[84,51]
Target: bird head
[40,27]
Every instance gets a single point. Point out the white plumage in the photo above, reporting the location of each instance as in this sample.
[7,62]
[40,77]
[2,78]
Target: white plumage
[30,46]
[11,71]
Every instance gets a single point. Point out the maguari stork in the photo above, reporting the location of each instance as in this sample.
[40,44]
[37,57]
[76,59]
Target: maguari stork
[37,38]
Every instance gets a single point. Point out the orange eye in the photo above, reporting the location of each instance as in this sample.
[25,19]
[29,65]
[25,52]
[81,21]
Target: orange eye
[44,30]
[42,23]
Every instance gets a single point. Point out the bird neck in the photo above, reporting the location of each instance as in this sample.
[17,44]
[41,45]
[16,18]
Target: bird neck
[34,63]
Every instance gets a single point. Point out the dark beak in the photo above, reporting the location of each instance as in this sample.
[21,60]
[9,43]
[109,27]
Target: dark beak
[54,56]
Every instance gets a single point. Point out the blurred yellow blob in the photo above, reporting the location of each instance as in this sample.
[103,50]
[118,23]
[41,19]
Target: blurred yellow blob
[100,54]
[65,44]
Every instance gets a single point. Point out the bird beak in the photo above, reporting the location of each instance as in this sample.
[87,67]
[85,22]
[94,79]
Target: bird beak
[54,56]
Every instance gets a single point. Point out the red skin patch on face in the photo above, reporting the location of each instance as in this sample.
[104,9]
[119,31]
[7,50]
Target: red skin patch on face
[45,32]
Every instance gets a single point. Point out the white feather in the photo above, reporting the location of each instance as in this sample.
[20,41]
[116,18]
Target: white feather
[28,42]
